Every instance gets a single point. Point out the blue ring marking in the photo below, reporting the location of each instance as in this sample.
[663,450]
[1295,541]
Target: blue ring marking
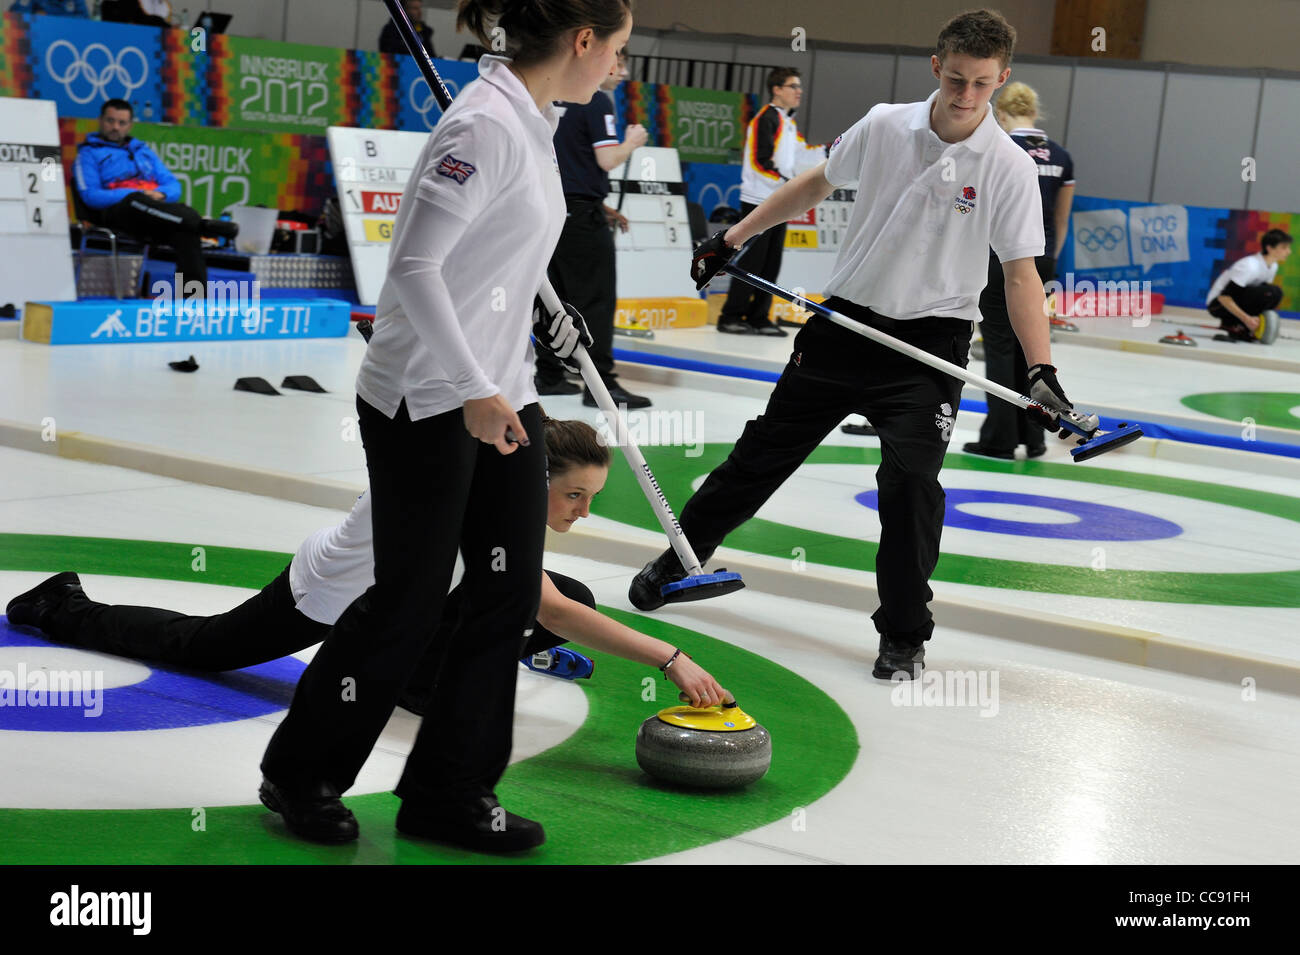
[167,699]
[1096,522]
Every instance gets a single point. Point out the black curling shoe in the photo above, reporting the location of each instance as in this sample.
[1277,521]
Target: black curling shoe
[646,591]
[898,657]
[481,825]
[315,813]
[30,609]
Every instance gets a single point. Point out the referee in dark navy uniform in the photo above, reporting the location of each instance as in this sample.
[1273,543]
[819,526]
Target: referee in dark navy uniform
[583,269]
[1006,426]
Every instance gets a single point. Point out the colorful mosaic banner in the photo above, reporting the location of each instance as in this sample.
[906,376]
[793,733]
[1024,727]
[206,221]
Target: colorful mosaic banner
[261,84]
[220,168]
[703,125]
[15,56]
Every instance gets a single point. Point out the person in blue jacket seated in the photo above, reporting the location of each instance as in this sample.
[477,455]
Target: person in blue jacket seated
[123,185]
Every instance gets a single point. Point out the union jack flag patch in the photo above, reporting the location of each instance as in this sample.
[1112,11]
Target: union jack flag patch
[454,168]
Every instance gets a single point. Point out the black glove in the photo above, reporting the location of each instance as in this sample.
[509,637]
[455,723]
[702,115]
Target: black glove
[561,333]
[710,257]
[1046,390]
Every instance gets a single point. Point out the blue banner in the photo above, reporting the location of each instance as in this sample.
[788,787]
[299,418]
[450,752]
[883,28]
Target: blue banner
[145,321]
[417,109]
[1178,249]
[81,63]
[712,185]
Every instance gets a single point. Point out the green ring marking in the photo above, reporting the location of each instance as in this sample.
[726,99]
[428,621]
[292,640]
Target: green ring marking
[622,500]
[596,805]
[1271,409]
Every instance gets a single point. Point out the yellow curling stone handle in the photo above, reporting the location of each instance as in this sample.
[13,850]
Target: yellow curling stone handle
[720,718]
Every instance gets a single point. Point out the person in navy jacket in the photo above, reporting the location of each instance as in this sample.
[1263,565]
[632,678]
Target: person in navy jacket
[124,185]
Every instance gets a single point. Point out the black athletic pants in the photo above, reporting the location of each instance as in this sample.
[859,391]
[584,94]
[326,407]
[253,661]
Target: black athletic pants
[434,488]
[264,627]
[744,302]
[1006,426]
[171,223]
[832,373]
[1253,300]
[584,273]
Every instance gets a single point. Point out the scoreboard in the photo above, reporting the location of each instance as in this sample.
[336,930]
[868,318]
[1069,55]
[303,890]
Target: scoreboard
[371,169]
[35,247]
[654,255]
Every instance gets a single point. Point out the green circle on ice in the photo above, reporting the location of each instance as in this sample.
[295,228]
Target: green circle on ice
[1272,409]
[622,500]
[596,804]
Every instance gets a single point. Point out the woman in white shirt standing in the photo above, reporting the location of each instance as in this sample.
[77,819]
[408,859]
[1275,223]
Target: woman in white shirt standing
[446,406]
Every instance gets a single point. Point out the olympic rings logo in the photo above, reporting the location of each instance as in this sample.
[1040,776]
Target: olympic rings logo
[1108,239]
[425,106]
[100,74]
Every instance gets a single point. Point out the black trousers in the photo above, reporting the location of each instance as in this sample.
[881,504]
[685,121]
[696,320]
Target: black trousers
[763,258]
[172,223]
[1007,426]
[264,627]
[832,373]
[434,489]
[584,273]
[1253,300]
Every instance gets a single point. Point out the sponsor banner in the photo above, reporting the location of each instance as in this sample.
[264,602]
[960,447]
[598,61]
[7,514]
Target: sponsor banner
[1179,250]
[702,125]
[221,318]
[81,63]
[220,168]
[287,87]
[417,110]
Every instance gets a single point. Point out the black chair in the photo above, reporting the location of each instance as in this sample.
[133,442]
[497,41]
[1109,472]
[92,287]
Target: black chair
[90,228]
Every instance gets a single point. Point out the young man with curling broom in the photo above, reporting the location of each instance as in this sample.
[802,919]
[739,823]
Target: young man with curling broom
[939,183]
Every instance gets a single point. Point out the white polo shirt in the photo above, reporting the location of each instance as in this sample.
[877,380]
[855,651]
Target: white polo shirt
[927,212]
[334,566]
[1247,271]
[475,230]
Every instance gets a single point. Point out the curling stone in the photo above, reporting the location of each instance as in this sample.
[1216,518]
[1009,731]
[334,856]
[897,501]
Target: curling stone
[1180,339]
[1063,325]
[713,747]
[1268,328]
[977,350]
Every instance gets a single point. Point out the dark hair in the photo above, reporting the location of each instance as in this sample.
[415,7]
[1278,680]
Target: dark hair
[1274,237]
[779,77]
[983,34]
[572,444]
[533,28]
[116,104]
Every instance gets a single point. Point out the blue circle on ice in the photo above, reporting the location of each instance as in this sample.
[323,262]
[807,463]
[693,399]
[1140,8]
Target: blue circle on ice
[169,698]
[1088,521]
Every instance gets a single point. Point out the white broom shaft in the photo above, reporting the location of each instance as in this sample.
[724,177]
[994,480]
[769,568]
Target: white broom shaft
[947,367]
[636,461]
